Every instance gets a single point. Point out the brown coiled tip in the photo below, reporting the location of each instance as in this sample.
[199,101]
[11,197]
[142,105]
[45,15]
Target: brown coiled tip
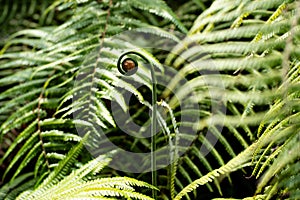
[129,66]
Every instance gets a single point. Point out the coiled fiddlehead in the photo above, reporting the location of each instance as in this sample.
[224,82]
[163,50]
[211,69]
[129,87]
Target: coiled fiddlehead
[128,67]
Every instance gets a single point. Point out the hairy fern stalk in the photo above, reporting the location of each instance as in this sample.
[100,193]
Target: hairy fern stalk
[59,80]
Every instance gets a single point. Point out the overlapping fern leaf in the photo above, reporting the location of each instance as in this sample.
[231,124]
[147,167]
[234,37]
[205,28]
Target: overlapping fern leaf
[24,14]
[238,47]
[275,154]
[38,70]
[278,145]
[83,183]
[244,42]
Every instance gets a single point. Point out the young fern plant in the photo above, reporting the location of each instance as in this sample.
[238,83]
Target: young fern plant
[128,67]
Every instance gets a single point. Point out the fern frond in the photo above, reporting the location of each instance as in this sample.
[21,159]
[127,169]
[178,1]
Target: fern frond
[160,9]
[289,154]
[241,160]
[62,169]
[73,185]
[12,189]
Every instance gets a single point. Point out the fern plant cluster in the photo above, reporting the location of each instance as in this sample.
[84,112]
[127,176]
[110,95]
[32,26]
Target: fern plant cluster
[59,83]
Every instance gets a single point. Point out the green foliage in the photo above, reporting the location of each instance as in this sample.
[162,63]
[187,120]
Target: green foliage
[58,76]
[83,183]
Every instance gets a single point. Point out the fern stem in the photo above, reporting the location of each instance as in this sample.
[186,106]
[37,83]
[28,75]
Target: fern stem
[129,67]
[153,132]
